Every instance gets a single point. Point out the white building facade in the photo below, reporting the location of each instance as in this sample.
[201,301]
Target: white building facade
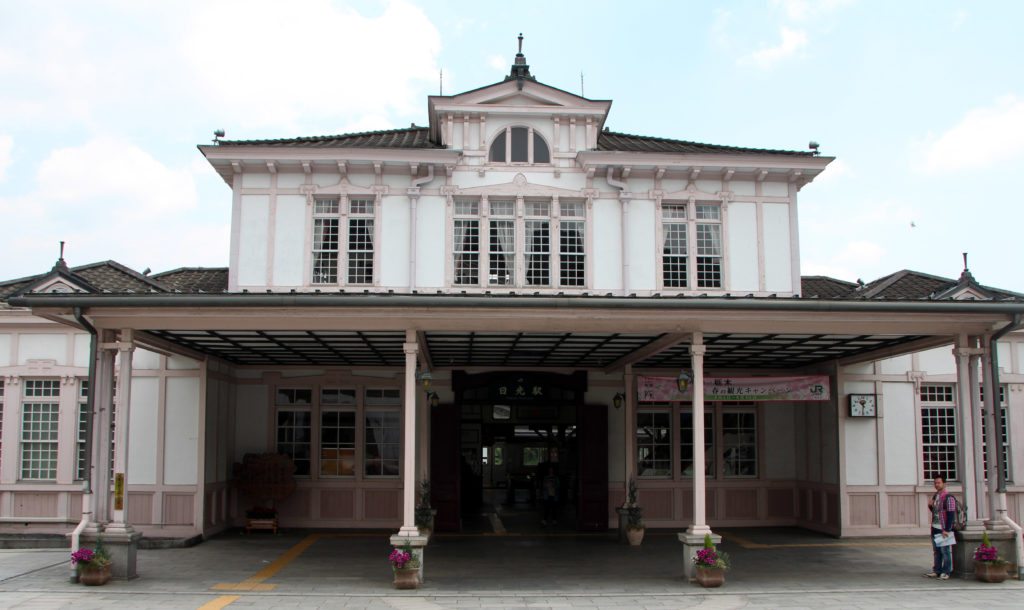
[541,274]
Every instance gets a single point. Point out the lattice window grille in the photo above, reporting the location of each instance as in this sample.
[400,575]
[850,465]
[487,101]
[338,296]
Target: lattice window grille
[938,431]
[39,429]
[654,444]
[360,241]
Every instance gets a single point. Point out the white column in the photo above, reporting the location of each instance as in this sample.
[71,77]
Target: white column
[124,399]
[697,350]
[976,439]
[629,429]
[411,348]
[965,431]
[103,404]
[996,500]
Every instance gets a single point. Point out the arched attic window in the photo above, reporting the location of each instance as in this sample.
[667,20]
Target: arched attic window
[513,143]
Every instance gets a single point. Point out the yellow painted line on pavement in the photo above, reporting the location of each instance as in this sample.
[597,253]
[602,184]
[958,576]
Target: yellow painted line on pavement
[750,544]
[220,602]
[255,582]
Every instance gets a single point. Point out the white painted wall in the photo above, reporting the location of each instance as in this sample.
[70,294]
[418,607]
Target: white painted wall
[897,365]
[142,429]
[900,427]
[81,348]
[5,349]
[861,452]
[430,241]
[741,223]
[43,347]
[253,242]
[394,246]
[289,240]
[937,361]
[775,189]
[145,360]
[778,275]
[606,266]
[181,432]
[642,253]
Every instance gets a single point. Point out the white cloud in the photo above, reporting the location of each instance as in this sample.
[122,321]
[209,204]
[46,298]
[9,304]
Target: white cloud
[860,252]
[983,137]
[792,41]
[800,10]
[498,62]
[959,18]
[836,170]
[6,146]
[270,63]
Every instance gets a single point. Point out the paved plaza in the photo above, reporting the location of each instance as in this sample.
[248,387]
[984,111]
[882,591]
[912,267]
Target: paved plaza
[773,568]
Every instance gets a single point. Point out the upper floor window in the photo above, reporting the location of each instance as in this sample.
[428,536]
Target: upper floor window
[343,236]
[691,253]
[519,145]
[40,411]
[514,241]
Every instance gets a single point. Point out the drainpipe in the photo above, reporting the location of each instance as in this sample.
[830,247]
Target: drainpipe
[414,197]
[89,402]
[995,433]
[624,225]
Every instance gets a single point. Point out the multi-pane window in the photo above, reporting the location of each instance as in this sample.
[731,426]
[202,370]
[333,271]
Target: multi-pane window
[294,426]
[514,240]
[739,444]
[383,429]
[1004,431]
[83,430]
[40,412]
[683,266]
[466,242]
[654,443]
[1,416]
[335,220]
[674,253]
[571,244]
[337,432]
[513,145]
[938,431]
[501,267]
[686,443]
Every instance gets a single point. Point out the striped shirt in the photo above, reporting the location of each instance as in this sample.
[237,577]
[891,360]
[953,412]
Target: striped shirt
[943,511]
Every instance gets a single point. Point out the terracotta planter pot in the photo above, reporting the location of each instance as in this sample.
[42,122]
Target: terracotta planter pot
[407,578]
[710,577]
[635,536]
[990,572]
[94,577]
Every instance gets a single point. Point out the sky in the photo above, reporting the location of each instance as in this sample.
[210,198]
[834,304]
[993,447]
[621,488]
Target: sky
[102,105]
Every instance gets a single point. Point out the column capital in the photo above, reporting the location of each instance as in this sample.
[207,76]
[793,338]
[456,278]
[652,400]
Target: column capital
[963,352]
[411,348]
[698,350]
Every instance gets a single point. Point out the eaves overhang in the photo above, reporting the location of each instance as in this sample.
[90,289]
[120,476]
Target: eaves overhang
[599,159]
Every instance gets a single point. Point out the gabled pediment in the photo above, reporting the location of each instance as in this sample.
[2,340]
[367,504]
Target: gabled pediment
[518,187]
[59,280]
[522,99]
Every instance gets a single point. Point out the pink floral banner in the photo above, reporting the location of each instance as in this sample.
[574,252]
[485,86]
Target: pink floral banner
[762,389]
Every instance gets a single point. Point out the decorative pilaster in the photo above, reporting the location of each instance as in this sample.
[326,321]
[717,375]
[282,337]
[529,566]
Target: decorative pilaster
[965,430]
[119,523]
[411,349]
[693,537]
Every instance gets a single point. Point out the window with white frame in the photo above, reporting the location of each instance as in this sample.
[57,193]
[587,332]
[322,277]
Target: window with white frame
[337,432]
[1004,429]
[294,426]
[383,433]
[513,239]
[343,239]
[1,417]
[683,266]
[40,412]
[82,436]
[519,145]
[938,431]
[654,444]
[739,444]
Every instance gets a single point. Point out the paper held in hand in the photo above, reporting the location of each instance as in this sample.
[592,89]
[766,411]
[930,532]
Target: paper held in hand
[941,540]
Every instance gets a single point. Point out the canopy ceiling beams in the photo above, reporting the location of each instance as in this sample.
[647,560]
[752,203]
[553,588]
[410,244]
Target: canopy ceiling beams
[528,350]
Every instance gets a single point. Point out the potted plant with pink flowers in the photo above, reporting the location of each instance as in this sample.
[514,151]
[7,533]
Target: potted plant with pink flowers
[92,565]
[988,567]
[711,564]
[405,567]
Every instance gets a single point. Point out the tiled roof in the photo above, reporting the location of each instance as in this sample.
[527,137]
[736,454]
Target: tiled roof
[823,287]
[105,276]
[195,279]
[410,137]
[610,140]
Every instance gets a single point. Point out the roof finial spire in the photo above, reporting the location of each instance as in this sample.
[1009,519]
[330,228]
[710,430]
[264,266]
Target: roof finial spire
[62,250]
[60,265]
[965,261]
[520,70]
[520,43]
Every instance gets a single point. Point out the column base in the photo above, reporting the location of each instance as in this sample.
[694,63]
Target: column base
[968,540]
[417,544]
[122,548]
[692,542]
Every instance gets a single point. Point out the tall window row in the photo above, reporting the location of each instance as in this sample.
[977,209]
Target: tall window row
[691,245]
[730,441]
[343,240]
[339,432]
[939,431]
[519,242]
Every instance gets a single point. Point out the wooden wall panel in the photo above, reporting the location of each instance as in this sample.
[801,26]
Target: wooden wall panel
[382,503]
[903,509]
[863,509]
[740,504]
[74,506]
[657,503]
[337,504]
[779,503]
[296,505]
[140,508]
[832,508]
[817,506]
[179,509]
[35,504]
